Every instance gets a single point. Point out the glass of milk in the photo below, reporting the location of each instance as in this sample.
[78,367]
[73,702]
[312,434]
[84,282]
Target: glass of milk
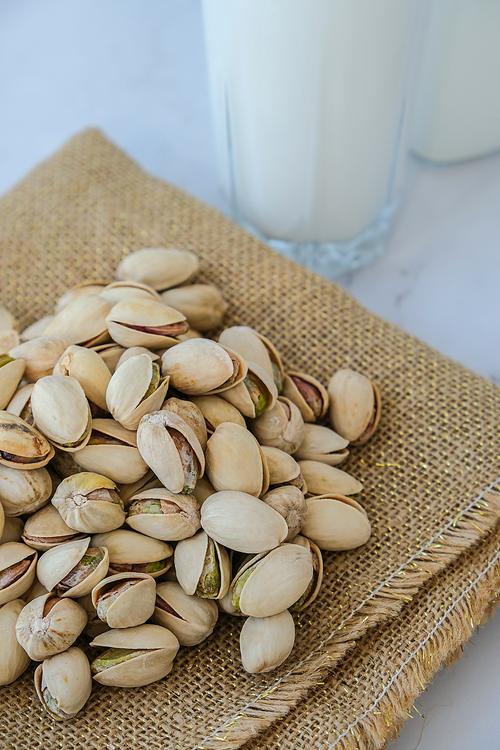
[309,101]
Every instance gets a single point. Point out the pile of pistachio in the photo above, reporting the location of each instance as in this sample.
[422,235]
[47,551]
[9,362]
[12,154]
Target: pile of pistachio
[124,433]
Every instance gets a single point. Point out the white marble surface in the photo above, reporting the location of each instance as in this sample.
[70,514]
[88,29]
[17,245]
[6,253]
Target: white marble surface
[137,71]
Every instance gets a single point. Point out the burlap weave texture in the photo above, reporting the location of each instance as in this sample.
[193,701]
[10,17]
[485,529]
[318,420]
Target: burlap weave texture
[425,473]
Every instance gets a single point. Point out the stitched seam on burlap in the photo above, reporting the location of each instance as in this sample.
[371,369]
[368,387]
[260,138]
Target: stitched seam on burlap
[227,724]
[415,652]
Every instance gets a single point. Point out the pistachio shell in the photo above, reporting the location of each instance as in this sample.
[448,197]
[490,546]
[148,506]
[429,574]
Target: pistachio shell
[254,347]
[266,642]
[123,290]
[46,529]
[55,564]
[125,396]
[283,468]
[86,366]
[10,377]
[200,367]
[202,566]
[14,586]
[177,516]
[49,625]
[132,351]
[314,587]
[216,411]
[40,356]
[190,618]
[322,479]
[354,405]
[131,549]
[89,503]
[116,456]
[84,289]
[110,354]
[82,321]
[13,658]
[322,444]
[234,460]
[148,482]
[191,414]
[336,523]
[8,340]
[307,393]
[66,677]
[7,320]
[125,600]
[20,404]
[255,394]
[127,319]
[202,304]
[290,503]
[12,530]
[160,267]
[36,329]
[202,490]
[61,411]
[280,427]
[24,491]
[21,446]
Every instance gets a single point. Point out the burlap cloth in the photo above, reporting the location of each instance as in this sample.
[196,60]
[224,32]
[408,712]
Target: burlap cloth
[429,476]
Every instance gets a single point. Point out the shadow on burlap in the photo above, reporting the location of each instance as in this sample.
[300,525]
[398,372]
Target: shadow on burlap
[429,473]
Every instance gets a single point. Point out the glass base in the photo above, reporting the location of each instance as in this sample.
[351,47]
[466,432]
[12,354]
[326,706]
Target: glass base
[332,259]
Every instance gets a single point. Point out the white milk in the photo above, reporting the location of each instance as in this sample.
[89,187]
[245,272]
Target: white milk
[457,114]
[308,100]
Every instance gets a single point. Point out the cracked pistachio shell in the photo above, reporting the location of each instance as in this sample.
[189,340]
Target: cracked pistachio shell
[307,393]
[128,387]
[148,482]
[132,351]
[48,625]
[270,583]
[61,411]
[159,267]
[123,290]
[163,515]
[7,320]
[202,304]
[156,646]
[255,394]
[280,427]
[322,444]
[191,414]
[89,503]
[266,642]
[46,529]
[216,411]
[171,449]
[125,600]
[254,347]
[200,367]
[67,679]
[283,468]
[13,658]
[8,340]
[234,461]
[322,479]
[314,587]
[10,377]
[17,570]
[94,626]
[36,329]
[82,321]
[290,503]
[86,366]
[354,405]
[112,451]
[20,404]
[40,356]
[24,491]
[22,446]
[202,567]
[12,529]
[110,354]
[129,550]
[190,618]
[242,522]
[202,490]
[336,523]
[55,564]
[84,289]
[145,322]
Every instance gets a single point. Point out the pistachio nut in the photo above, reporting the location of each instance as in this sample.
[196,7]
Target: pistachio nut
[82,321]
[24,491]
[7,320]
[190,334]
[307,393]
[283,469]
[118,291]
[216,411]
[190,618]
[266,642]
[63,683]
[191,414]
[21,446]
[86,366]
[322,479]
[49,625]
[112,451]
[280,427]
[160,267]
[354,405]
[46,529]
[36,329]
[202,304]
[290,503]
[11,372]
[234,461]
[135,389]
[134,656]
[271,582]
[40,356]
[148,482]
[144,322]
[73,568]
[132,351]
[314,587]
[163,515]
[12,530]
[125,600]
[200,367]
[322,444]
[13,658]
[110,354]
[64,464]
[336,523]
[61,411]
[202,567]
[95,626]
[171,449]
[130,551]
[242,522]
[20,404]
[35,590]
[84,289]
[254,347]
[255,394]
[226,605]
[89,503]
[8,340]
[17,570]
[202,490]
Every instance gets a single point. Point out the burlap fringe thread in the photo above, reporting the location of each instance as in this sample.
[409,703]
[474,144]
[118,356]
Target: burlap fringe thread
[383,604]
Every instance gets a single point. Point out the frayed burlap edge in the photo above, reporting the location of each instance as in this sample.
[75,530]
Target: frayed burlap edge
[383,604]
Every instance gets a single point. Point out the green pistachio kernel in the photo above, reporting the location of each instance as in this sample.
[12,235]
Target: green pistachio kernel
[210,581]
[258,396]
[155,381]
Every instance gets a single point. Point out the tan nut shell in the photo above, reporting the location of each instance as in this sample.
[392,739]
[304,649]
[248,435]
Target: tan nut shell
[61,411]
[190,560]
[202,304]
[2,520]
[7,320]
[144,669]
[83,512]
[309,596]
[24,491]
[41,636]
[216,411]
[322,479]
[36,329]
[170,527]
[20,439]
[122,290]
[40,355]
[234,461]
[12,530]
[159,267]
[13,658]
[203,490]
[279,429]
[56,563]
[242,522]
[68,680]
[82,321]
[291,391]
[46,529]
[110,354]
[127,388]
[239,395]
[126,546]
[8,340]
[283,468]
[10,377]
[20,399]
[336,523]
[266,642]
[322,444]
[142,312]
[201,367]
[133,606]
[84,289]
[191,414]
[194,618]
[354,405]
[86,366]
[120,463]
[10,554]
[290,503]
[253,347]
[132,351]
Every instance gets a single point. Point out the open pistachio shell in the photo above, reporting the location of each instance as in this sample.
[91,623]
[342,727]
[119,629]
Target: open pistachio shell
[191,414]
[216,411]
[63,683]
[200,367]
[12,529]
[21,446]
[290,503]
[13,658]
[40,356]
[86,366]
[17,570]
[132,351]
[20,404]
[280,427]
[46,529]
[112,451]
[234,461]
[125,600]
[145,322]
[202,567]
[61,411]
[202,490]
[266,642]
[322,479]
[314,587]
[135,657]
[123,290]
[11,372]
[110,354]
[307,393]
[159,267]
[322,444]
[49,625]
[73,569]
[82,321]
[89,503]
[163,515]
[24,491]
[190,618]
[283,468]
[202,304]
[336,523]
[256,393]
[135,389]
[254,347]
[131,551]
[354,405]
[148,482]
[35,330]
[84,289]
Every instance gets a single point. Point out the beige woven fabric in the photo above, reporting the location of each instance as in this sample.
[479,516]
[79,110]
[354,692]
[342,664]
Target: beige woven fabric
[427,474]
